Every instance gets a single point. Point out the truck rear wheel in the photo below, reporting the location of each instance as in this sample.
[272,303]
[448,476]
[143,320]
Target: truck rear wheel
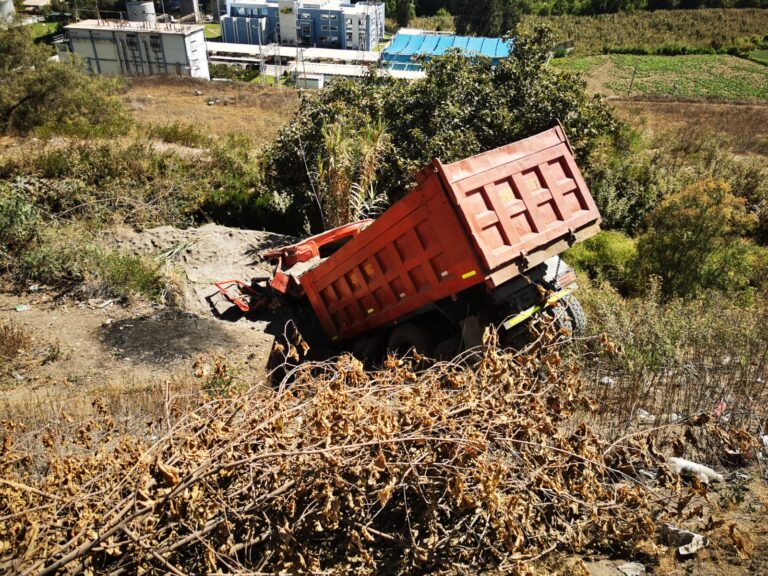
[407,336]
[448,349]
[576,316]
[569,315]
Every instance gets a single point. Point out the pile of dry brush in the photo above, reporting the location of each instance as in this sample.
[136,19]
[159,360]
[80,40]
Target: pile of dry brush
[475,463]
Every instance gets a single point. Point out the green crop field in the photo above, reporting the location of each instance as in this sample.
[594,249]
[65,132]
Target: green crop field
[698,76]
[654,31]
[759,56]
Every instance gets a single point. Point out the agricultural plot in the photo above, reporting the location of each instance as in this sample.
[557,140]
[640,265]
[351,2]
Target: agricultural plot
[653,31]
[759,56]
[697,76]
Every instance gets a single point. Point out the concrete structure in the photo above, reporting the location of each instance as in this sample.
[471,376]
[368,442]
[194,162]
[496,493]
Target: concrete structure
[35,6]
[323,23]
[137,48]
[7,10]
[141,12]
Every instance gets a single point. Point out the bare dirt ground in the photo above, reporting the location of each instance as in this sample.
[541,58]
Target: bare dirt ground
[257,111]
[80,348]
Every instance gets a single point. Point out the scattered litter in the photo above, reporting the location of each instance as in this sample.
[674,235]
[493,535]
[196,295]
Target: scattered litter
[704,473]
[34,288]
[607,381]
[18,377]
[631,569]
[720,409]
[197,93]
[645,417]
[687,542]
[23,308]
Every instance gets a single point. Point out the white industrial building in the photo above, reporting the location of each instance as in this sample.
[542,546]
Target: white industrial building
[145,48]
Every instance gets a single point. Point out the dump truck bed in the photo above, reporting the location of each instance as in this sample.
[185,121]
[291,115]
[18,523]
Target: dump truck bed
[485,219]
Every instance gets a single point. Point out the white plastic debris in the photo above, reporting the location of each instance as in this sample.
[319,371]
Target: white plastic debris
[631,569]
[687,542]
[703,473]
[607,381]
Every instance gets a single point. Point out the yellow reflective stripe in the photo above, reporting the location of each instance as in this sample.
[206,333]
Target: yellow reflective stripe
[525,314]
[469,274]
[370,310]
[558,295]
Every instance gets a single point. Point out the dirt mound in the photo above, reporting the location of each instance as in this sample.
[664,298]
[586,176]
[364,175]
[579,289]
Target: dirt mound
[204,255]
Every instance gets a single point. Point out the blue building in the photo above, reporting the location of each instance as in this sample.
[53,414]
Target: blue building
[321,23]
[407,50]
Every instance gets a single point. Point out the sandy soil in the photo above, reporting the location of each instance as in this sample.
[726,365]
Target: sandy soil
[83,346]
[254,110]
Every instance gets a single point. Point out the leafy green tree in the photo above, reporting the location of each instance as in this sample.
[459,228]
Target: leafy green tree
[464,106]
[488,17]
[697,240]
[36,93]
[404,12]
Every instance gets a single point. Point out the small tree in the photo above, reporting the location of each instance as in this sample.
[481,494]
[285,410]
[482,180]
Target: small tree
[696,241]
[36,93]
[404,12]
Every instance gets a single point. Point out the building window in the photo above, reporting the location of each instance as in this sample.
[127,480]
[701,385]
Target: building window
[349,36]
[329,16]
[349,21]
[305,16]
[155,42]
[132,41]
[329,28]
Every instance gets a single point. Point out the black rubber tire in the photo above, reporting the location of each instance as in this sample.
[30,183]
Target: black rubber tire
[407,336]
[578,319]
[448,349]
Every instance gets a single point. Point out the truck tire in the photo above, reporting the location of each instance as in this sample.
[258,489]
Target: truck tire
[407,336]
[448,349]
[575,312]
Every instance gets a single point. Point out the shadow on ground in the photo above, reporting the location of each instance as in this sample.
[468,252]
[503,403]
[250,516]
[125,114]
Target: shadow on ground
[164,337]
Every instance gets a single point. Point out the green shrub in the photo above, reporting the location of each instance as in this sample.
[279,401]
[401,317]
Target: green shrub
[697,241]
[610,256]
[116,274]
[179,133]
[653,332]
[463,107]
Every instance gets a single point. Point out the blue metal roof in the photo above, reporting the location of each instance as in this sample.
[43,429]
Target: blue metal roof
[405,46]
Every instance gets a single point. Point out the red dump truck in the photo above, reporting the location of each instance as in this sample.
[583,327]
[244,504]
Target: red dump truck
[475,242]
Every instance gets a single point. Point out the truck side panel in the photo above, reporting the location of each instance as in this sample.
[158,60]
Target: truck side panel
[415,253]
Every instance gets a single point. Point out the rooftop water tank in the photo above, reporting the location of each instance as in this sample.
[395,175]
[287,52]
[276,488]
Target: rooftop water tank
[141,12]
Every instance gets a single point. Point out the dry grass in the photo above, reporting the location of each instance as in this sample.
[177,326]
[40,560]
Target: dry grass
[485,461]
[256,111]
[13,340]
[744,126]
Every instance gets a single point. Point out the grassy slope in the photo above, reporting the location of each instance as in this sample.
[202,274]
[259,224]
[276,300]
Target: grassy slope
[699,76]
[704,28]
